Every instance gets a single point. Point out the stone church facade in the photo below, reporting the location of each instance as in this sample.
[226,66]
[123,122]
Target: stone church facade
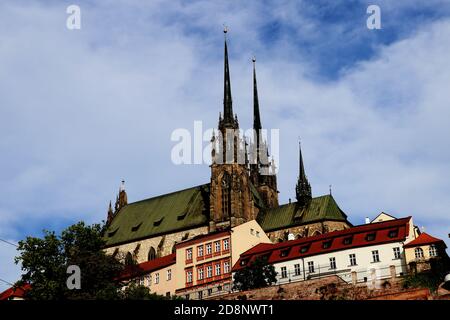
[243,187]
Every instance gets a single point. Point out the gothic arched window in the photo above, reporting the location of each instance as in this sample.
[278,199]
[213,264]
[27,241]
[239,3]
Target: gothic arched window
[226,195]
[151,254]
[128,259]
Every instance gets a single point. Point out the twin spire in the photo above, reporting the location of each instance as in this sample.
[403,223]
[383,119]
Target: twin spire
[228,119]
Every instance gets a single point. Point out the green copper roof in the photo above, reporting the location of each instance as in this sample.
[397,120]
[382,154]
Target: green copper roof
[160,215]
[288,215]
[189,208]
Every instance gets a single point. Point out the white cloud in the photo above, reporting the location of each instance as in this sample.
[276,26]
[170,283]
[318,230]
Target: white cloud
[84,109]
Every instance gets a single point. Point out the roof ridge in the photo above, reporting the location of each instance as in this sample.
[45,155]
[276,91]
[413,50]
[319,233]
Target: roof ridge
[170,193]
[324,236]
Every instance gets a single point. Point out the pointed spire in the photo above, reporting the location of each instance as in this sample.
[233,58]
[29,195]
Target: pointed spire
[303,188]
[227,101]
[256,116]
[122,198]
[110,215]
[301,169]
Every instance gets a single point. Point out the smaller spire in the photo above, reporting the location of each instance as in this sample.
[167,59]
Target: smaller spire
[110,214]
[122,198]
[303,188]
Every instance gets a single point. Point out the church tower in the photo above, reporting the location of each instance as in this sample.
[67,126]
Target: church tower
[303,188]
[262,173]
[231,202]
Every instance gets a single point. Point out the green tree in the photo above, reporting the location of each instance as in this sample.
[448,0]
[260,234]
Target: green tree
[258,274]
[138,292]
[45,261]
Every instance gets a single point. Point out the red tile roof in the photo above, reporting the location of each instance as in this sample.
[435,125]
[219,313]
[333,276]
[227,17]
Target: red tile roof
[422,239]
[12,292]
[289,250]
[147,267]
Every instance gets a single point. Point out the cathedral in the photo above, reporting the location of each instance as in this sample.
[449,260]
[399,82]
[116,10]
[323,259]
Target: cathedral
[238,191]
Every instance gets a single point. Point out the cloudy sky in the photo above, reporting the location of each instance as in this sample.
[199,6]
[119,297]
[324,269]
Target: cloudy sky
[83,109]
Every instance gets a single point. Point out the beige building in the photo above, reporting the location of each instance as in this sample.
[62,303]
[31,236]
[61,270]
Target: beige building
[157,275]
[421,250]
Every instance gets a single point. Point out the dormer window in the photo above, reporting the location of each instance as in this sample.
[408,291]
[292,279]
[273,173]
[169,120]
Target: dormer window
[284,253]
[304,249]
[158,222]
[244,262]
[326,244]
[393,233]
[348,240]
[136,227]
[370,236]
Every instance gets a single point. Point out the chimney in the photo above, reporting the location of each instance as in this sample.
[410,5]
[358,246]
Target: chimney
[289,200]
[367,220]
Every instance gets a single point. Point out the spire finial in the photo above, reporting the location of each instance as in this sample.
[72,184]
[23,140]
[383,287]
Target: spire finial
[330,188]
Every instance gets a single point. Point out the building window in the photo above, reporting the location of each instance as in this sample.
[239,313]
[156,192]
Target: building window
[418,253]
[189,254]
[209,271]
[326,244]
[209,291]
[352,259]
[200,251]
[226,267]
[157,278]
[311,266]
[397,253]
[348,240]
[257,234]
[129,259]
[284,253]
[218,269]
[375,256]
[393,233]
[304,249]
[189,276]
[201,274]
[141,281]
[200,295]
[151,254]
[149,280]
[371,236]
[333,263]
[226,244]
[252,231]
[433,250]
[208,248]
[217,246]
[283,272]
[297,269]
[169,274]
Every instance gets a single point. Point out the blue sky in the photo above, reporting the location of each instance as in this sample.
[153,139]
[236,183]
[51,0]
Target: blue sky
[85,109]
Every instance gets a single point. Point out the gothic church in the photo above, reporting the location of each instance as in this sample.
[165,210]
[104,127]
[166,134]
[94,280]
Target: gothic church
[237,192]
